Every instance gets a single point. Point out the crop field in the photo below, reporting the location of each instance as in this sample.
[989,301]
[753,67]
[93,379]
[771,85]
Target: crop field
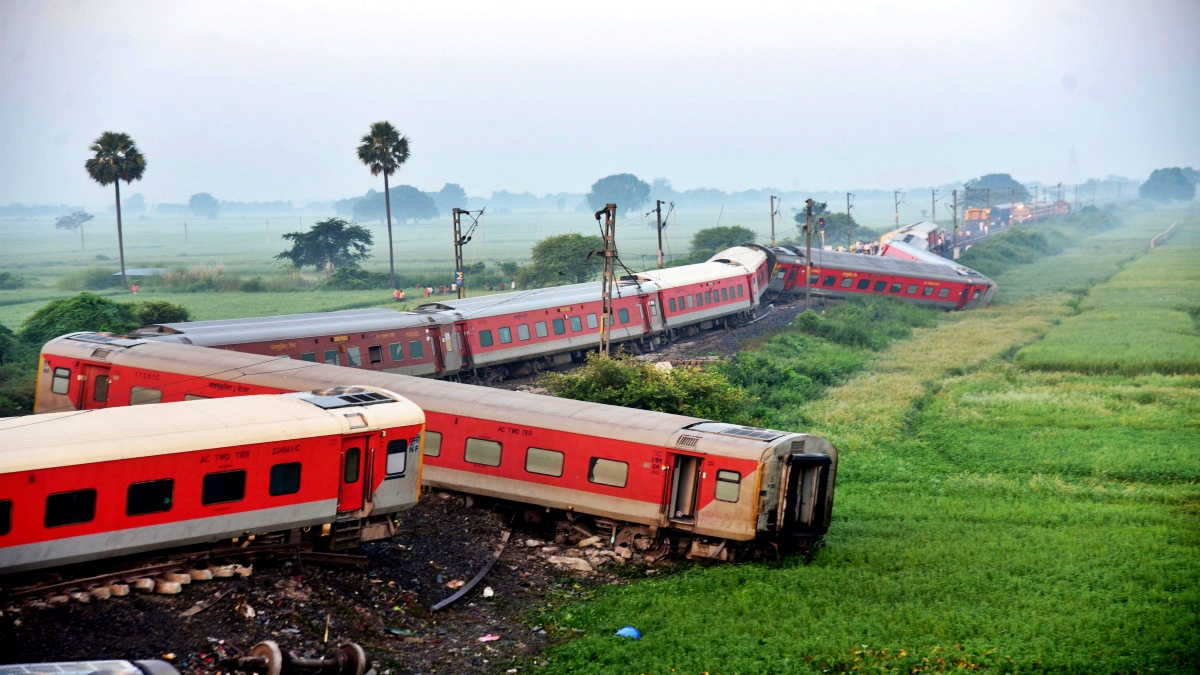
[989,516]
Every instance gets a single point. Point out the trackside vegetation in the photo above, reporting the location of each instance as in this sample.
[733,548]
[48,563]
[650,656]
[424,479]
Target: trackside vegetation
[989,516]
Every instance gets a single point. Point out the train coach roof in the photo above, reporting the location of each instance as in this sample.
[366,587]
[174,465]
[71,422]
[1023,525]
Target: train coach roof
[858,262]
[267,328]
[89,436]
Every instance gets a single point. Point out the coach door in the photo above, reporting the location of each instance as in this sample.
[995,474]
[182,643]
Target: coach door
[94,392]
[464,345]
[355,463]
[684,489]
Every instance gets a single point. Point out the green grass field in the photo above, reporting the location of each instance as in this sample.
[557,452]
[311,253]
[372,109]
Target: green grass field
[988,516]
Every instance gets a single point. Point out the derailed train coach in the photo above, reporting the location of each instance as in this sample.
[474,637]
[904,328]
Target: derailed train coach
[647,481]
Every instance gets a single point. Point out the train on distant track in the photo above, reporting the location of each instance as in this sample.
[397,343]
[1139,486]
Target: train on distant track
[646,481]
[492,337]
[328,466]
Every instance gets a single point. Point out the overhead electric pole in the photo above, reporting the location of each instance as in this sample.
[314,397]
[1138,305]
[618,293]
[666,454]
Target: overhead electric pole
[933,207]
[955,219]
[897,200]
[608,230]
[658,209]
[461,240]
[849,221]
[808,203]
[773,198]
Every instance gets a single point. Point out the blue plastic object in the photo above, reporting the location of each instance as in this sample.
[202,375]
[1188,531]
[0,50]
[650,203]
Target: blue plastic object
[630,632]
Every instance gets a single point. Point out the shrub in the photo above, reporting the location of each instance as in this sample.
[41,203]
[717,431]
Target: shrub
[93,279]
[355,279]
[146,312]
[83,312]
[10,281]
[866,322]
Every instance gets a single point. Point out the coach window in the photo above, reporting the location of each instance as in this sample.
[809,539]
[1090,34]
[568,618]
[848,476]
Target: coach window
[879,286]
[943,292]
[375,354]
[505,335]
[690,302]
[708,297]
[539,329]
[223,486]
[576,324]
[152,496]
[739,290]
[309,356]
[671,304]
[485,338]
[332,357]
[354,356]
[911,290]
[592,321]
[729,483]
[975,295]
[847,282]
[699,299]
[70,508]
[927,291]
[415,349]
[863,284]
[653,308]
[724,294]
[560,326]
[623,314]
[144,396]
[896,287]
[396,351]
[482,452]
[433,443]
[545,462]
[5,516]
[350,469]
[813,279]
[61,383]
[522,331]
[829,280]
[100,389]
[195,397]
[607,472]
[285,479]
[397,456]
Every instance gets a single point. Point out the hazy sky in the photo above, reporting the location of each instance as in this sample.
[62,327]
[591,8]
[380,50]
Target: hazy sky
[257,101]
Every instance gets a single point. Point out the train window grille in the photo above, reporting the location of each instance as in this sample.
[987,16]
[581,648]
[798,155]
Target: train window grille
[729,484]
[375,354]
[70,508]
[354,356]
[829,280]
[544,462]
[223,487]
[152,496]
[699,300]
[560,326]
[896,287]
[5,516]
[671,304]
[100,389]
[101,354]
[708,297]
[144,396]
[397,456]
[943,293]
[332,357]
[539,329]
[61,383]
[880,286]
[416,350]
[863,284]
[927,291]
[623,314]
[195,397]
[285,479]
[505,335]
[911,290]
[687,441]
[483,452]
[724,294]
[522,331]
[592,321]
[576,324]
[847,282]
[433,443]
[607,472]
[311,357]
[485,338]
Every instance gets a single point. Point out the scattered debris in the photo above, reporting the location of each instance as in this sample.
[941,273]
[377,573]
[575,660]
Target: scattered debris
[577,564]
[629,632]
[488,592]
[489,638]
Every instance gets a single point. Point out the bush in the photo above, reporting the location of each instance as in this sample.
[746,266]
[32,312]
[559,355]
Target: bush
[356,279]
[866,322]
[146,312]
[1014,247]
[83,312]
[10,281]
[93,279]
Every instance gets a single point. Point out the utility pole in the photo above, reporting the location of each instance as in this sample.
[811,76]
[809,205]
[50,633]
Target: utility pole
[658,209]
[955,240]
[808,255]
[933,207]
[609,231]
[773,212]
[849,222]
[461,240]
[896,199]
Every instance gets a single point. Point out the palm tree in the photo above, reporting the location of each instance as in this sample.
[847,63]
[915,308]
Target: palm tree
[384,150]
[117,159]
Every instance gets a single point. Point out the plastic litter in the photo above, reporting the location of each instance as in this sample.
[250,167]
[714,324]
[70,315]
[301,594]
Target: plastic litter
[630,632]
[489,638]
[488,592]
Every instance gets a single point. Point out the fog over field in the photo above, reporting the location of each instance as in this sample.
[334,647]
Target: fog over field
[265,101]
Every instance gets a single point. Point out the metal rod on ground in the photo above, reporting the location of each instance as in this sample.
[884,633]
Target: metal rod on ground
[808,203]
[609,230]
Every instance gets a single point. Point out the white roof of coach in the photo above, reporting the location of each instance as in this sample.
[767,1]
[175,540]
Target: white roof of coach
[89,436]
[288,326]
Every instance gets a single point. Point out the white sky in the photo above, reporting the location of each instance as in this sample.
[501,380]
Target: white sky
[257,101]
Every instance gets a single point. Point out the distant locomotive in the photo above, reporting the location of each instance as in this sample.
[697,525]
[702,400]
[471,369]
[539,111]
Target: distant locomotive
[329,465]
[646,480]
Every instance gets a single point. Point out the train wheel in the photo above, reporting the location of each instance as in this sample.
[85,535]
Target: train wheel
[271,654]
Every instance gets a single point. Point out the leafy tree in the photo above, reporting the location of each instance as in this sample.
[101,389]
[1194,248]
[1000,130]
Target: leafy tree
[10,281]
[354,279]
[509,268]
[147,312]
[708,241]
[561,203]
[623,189]
[409,204]
[116,159]
[83,312]
[74,222]
[1004,188]
[560,259]
[383,149]
[1165,185]
[449,197]
[345,207]
[203,205]
[329,244]
[135,205]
